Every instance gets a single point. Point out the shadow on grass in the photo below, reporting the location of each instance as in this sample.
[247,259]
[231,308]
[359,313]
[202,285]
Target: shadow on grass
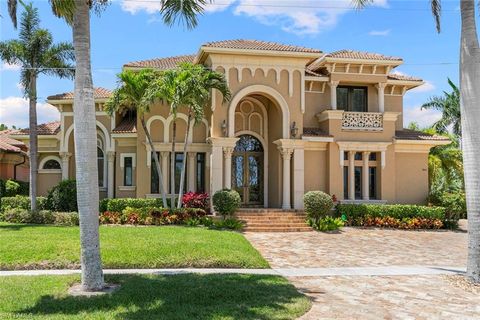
[186,296]
[16,227]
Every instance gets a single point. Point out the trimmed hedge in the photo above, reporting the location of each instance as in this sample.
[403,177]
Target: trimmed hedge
[392,216]
[120,204]
[317,205]
[21,202]
[151,216]
[18,215]
[226,201]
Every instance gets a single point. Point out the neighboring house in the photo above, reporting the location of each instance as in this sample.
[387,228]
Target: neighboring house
[13,158]
[298,120]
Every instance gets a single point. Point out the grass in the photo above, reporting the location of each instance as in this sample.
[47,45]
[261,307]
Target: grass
[186,296]
[42,247]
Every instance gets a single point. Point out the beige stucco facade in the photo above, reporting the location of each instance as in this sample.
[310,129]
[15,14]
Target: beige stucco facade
[284,110]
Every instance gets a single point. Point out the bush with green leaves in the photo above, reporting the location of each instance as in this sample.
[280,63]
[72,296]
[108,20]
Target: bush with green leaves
[21,202]
[120,204]
[326,223]
[226,201]
[317,205]
[63,197]
[2,188]
[12,188]
[19,215]
[229,223]
[151,216]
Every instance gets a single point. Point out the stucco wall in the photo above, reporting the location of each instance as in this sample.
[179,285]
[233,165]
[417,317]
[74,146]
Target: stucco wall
[316,171]
[411,177]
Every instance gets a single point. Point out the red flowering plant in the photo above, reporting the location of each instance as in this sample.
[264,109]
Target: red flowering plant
[196,200]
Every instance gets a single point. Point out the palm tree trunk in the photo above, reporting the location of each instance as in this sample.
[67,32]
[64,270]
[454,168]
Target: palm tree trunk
[85,151]
[184,162]
[157,162]
[32,93]
[470,113]
[172,165]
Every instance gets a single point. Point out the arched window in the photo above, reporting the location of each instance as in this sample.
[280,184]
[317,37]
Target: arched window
[101,164]
[51,165]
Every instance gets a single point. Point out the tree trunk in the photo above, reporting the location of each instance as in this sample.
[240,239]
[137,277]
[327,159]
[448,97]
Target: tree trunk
[85,135]
[184,162]
[157,163]
[470,114]
[33,150]
[172,165]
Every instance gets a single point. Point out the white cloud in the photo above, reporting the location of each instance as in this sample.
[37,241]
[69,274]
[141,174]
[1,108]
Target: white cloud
[14,111]
[424,118]
[295,16]
[9,67]
[426,87]
[382,33]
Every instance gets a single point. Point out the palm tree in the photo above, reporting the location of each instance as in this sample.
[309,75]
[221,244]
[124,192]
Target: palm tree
[449,105]
[130,96]
[36,53]
[470,123]
[77,14]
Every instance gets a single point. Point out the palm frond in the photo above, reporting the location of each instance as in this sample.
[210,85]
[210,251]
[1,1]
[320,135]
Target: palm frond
[360,4]
[12,11]
[182,12]
[436,6]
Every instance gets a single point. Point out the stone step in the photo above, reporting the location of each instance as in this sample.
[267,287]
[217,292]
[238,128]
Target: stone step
[269,222]
[277,225]
[270,214]
[278,229]
[270,217]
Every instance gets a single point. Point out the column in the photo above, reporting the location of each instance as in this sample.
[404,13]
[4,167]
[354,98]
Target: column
[227,154]
[65,164]
[365,176]
[298,177]
[192,157]
[164,155]
[286,156]
[381,96]
[111,173]
[216,170]
[351,175]
[333,94]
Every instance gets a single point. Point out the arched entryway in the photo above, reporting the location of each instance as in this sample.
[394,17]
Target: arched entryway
[248,170]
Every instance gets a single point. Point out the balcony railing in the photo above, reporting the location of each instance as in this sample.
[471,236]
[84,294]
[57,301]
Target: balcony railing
[364,121]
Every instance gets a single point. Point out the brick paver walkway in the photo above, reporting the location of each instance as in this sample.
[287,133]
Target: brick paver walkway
[374,297]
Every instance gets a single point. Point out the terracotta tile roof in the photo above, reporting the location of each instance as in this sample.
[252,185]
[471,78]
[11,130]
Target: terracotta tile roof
[50,128]
[352,54]
[99,93]
[397,76]
[407,134]
[314,132]
[161,63]
[10,145]
[127,125]
[258,45]
[311,73]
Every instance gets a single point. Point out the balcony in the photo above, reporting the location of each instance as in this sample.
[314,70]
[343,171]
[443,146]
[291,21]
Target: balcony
[362,121]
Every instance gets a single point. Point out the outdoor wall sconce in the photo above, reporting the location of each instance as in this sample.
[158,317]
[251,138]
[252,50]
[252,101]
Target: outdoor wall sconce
[294,130]
[224,128]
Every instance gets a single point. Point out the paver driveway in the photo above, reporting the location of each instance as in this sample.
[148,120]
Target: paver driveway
[374,297]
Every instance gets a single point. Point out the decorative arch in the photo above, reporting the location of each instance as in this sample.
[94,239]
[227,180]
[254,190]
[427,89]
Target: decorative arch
[264,90]
[162,120]
[99,125]
[48,158]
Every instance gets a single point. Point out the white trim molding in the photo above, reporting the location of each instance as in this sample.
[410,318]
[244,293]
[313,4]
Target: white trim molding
[47,158]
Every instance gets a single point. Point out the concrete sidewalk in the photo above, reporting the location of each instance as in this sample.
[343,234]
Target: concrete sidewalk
[286,272]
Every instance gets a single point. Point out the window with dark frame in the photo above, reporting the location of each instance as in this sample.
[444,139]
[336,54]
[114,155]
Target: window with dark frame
[52,165]
[200,187]
[351,98]
[128,171]
[178,172]
[345,182]
[358,182]
[154,182]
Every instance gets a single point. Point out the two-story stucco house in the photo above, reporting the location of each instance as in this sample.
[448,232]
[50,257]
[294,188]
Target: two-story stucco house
[299,120]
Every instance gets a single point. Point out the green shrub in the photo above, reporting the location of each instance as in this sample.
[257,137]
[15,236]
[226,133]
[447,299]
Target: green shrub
[11,188]
[229,223]
[326,223]
[120,204]
[226,201]
[63,197]
[18,215]
[66,218]
[2,188]
[317,205]
[21,202]
[393,216]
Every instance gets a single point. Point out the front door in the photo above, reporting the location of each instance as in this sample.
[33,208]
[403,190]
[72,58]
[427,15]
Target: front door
[247,170]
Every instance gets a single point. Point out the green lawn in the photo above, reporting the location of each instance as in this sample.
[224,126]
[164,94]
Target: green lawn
[37,246]
[186,296]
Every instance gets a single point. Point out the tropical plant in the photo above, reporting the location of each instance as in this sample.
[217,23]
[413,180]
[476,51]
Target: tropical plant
[449,105]
[190,86]
[226,201]
[77,14]
[317,205]
[470,123]
[36,54]
[130,96]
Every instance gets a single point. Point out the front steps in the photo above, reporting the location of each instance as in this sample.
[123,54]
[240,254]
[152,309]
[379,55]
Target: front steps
[273,220]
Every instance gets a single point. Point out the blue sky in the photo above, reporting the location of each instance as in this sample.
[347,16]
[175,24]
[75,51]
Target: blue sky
[130,30]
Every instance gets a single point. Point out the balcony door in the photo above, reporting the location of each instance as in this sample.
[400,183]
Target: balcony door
[351,98]
[247,170]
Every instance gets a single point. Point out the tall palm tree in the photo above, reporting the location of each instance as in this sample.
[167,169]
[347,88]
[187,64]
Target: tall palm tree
[77,14]
[36,54]
[130,96]
[449,105]
[470,115]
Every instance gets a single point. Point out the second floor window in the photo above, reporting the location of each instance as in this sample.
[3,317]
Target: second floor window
[128,171]
[352,98]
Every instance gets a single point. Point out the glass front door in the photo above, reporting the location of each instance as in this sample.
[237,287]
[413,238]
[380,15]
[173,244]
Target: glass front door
[247,170]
